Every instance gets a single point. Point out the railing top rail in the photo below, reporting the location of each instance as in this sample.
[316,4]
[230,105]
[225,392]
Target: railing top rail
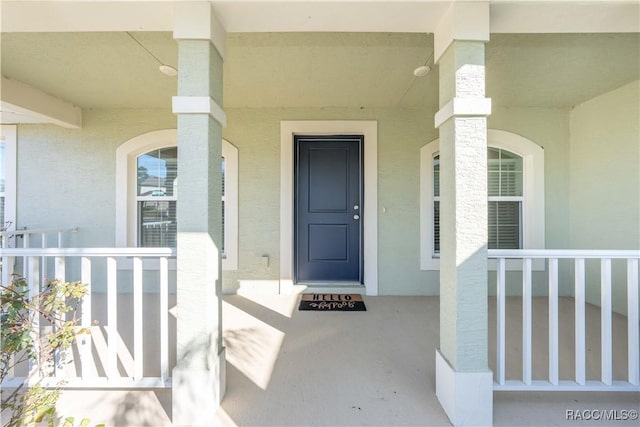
[37,231]
[90,252]
[563,253]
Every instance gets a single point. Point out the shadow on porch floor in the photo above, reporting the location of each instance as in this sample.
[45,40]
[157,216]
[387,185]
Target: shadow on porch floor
[291,368]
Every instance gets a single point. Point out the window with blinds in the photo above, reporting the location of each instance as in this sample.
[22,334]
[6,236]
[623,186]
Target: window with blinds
[157,196]
[505,192]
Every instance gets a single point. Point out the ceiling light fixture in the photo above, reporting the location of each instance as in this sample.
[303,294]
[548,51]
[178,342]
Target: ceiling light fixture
[423,70]
[165,69]
[168,70]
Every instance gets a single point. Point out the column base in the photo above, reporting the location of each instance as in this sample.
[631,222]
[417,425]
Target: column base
[197,394]
[466,397]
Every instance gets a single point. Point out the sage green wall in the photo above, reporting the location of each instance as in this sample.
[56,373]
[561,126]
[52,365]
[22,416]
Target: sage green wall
[605,161]
[604,191]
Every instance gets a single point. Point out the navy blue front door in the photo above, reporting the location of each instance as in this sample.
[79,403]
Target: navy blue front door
[328,208]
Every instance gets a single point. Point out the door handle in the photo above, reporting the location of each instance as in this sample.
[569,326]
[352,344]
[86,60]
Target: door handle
[356,216]
[356,207]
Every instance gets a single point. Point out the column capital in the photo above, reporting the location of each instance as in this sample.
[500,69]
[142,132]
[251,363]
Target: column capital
[463,107]
[199,105]
[197,21]
[464,20]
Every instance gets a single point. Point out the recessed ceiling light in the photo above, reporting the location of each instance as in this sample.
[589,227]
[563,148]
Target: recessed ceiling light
[421,71]
[168,70]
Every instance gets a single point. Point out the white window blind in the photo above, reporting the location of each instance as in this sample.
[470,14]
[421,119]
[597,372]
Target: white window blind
[505,199]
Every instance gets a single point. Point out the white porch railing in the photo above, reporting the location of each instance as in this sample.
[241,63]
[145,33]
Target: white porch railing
[104,359]
[576,262]
[25,238]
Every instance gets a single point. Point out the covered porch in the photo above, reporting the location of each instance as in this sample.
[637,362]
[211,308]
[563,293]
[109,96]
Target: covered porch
[495,174]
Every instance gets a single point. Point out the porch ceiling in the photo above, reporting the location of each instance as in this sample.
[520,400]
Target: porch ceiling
[111,70]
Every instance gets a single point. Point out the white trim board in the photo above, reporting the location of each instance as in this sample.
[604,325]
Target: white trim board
[367,128]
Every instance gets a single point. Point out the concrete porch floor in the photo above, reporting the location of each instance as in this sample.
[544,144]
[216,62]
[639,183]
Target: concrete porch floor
[375,368]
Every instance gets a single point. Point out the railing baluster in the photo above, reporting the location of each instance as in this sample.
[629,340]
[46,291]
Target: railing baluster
[526,320]
[164,319]
[7,261]
[26,243]
[6,270]
[43,260]
[137,319]
[500,319]
[580,353]
[85,322]
[60,270]
[633,334]
[60,273]
[605,320]
[553,321]
[112,318]
[33,282]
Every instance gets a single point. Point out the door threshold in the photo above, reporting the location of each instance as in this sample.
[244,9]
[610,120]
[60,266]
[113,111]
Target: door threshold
[320,287]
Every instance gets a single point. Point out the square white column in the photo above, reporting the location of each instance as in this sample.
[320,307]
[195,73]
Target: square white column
[463,380]
[199,375]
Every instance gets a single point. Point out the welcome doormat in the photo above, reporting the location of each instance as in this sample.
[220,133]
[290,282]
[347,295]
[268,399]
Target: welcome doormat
[332,302]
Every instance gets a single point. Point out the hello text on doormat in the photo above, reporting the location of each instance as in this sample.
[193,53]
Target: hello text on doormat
[332,302]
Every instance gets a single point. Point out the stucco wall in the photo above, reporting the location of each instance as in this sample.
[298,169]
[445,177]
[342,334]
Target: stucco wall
[67,178]
[604,172]
[605,160]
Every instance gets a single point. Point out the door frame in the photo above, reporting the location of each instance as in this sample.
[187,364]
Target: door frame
[366,128]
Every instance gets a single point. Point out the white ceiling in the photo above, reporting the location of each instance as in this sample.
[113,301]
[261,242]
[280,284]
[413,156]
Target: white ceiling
[111,70]
[424,16]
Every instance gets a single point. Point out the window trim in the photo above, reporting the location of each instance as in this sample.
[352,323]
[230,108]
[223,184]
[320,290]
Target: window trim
[126,200]
[533,214]
[9,135]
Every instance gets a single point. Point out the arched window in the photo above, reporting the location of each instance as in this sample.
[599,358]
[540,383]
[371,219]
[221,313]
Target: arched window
[147,196]
[515,169]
